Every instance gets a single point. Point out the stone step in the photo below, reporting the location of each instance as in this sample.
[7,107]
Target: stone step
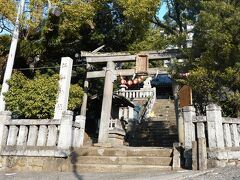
[153,132]
[152,144]
[163,119]
[159,125]
[157,120]
[163,126]
[129,160]
[151,140]
[156,138]
[168,144]
[87,168]
[157,130]
[125,151]
[156,135]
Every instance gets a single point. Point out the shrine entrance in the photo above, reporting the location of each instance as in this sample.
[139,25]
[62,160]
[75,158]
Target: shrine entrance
[117,119]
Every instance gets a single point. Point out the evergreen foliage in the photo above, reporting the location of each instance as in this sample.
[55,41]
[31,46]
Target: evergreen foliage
[36,98]
[214,60]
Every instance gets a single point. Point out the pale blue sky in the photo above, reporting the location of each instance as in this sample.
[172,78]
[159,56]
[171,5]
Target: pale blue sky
[162,11]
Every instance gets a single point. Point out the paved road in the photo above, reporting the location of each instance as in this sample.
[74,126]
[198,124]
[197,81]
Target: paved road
[227,173]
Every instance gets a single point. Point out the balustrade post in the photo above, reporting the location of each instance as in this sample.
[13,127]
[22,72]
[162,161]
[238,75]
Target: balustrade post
[214,126]
[202,147]
[32,136]
[79,133]
[4,116]
[130,112]
[189,133]
[65,132]
[22,136]
[234,135]
[227,135]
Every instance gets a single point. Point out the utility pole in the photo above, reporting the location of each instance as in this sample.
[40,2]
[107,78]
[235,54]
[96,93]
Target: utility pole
[11,56]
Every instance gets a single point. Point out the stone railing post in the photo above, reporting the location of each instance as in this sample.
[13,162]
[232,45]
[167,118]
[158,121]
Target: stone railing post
[130,112]
[202,146]
[189,133]
[180,124]
[214,126]
[4,116]
[79,133]
[65,132]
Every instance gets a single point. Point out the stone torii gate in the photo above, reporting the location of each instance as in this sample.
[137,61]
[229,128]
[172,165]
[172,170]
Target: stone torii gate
[110,74]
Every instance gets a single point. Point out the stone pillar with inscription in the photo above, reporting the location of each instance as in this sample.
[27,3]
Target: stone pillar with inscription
[64,86]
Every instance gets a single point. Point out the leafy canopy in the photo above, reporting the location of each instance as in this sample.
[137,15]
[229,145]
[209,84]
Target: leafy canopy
[214,60]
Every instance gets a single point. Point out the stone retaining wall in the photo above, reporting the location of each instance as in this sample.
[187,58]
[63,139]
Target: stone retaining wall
[16,163]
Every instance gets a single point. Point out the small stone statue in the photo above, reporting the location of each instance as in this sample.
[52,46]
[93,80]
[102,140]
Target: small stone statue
[147,83]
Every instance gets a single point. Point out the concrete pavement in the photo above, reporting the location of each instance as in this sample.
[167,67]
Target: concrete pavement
[171,175]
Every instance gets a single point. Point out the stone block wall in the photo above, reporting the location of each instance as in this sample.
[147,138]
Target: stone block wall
[46,164]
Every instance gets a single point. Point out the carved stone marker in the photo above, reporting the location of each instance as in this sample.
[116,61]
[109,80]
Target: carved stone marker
[64,86]
[185,96]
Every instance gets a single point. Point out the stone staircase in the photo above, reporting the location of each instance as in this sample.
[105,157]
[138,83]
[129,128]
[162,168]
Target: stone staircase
[153,140]
[121,159]
[159,130]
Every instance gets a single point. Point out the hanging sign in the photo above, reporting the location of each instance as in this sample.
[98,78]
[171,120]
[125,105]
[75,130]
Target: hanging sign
[142,64]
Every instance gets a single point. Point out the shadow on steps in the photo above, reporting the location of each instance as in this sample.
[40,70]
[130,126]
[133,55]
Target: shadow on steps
[152,134]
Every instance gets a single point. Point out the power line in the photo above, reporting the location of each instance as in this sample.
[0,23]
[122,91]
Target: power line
[44,67]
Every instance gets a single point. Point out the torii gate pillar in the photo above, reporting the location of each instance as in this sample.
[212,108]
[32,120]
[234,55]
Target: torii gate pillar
[106,104]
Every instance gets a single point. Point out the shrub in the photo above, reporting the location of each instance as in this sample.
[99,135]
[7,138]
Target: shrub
[36,98]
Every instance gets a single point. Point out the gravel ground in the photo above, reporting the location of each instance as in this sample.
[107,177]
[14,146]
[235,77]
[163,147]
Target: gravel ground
[227,173]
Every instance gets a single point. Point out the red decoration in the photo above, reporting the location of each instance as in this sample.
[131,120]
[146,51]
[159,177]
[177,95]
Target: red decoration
[135,81]
[123,81]
[129,82]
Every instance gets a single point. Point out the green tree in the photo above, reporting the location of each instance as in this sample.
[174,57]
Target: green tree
[214,61]
[4,49]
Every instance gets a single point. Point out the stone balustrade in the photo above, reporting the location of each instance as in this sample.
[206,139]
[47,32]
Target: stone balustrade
[137,94]
[40,137]
[217,138]
[143,93]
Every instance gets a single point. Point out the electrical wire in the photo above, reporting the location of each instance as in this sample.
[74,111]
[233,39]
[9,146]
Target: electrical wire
[49,67]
